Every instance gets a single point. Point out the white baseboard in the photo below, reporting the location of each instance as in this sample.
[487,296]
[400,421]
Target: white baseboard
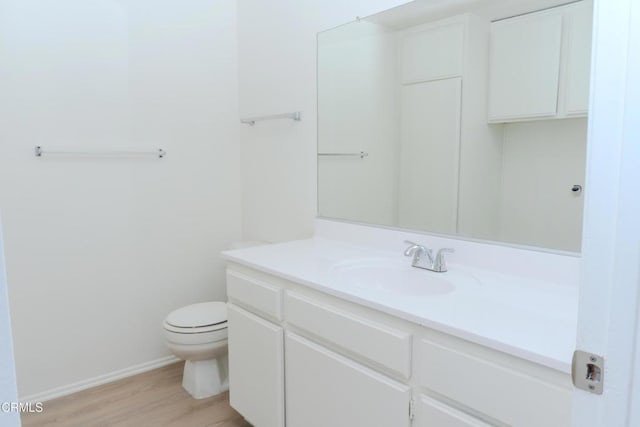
[99,380]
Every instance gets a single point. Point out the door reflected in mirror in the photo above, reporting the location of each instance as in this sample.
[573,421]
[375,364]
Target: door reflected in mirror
[466,120]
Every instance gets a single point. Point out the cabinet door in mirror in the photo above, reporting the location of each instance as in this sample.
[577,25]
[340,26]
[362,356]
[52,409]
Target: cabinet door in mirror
[430,119]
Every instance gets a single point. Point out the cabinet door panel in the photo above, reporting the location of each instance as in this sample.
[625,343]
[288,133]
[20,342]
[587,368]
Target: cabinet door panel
[512,397]
[433,53]
[429,155]
[524,65]
[431,413]
[326,389]
[578,18]
[256,364]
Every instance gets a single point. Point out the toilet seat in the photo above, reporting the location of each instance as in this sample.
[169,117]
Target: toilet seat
[196,338]
[196,330]
[197,318]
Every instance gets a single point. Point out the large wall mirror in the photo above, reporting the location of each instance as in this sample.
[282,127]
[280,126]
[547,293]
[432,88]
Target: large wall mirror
[463,118]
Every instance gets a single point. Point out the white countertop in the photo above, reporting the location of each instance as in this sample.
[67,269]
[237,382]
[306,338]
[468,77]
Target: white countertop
[528,318]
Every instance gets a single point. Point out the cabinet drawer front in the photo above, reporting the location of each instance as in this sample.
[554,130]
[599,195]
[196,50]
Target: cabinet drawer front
[376,342]
[431,413]
[501,393]
[254,294]
[325,389]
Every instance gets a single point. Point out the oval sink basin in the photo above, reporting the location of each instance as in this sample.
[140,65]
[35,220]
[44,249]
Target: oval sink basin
[388,277]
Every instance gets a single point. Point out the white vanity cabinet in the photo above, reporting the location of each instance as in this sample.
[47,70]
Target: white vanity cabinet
[429,413]
[539,64]
[324,388]
[500,387]
[256,351]
[332,362]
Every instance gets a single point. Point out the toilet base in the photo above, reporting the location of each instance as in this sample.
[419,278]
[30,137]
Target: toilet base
[206,378]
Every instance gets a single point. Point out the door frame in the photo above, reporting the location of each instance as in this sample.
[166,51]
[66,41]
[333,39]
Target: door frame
[608,303]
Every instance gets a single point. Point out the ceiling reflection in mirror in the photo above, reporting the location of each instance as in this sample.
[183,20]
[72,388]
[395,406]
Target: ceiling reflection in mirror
[463,118]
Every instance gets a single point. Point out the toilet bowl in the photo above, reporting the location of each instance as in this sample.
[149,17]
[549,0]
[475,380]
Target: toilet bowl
[197,334]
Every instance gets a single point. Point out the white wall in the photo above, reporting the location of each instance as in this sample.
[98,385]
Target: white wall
[277,66]
[8,390]
[100,250]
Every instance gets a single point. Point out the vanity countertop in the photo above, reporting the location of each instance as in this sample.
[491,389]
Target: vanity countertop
[529,318]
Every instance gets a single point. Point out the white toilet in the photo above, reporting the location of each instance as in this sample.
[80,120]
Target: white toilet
[198,334]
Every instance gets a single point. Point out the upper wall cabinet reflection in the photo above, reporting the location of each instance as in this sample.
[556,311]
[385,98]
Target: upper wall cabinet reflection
[540,64]
[445,119]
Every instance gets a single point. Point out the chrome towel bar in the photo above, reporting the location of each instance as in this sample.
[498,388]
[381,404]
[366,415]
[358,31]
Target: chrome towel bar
[361,154]
[39,152]
[297,116]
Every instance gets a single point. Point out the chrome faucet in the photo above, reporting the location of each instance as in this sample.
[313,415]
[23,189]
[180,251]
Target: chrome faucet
[423,257]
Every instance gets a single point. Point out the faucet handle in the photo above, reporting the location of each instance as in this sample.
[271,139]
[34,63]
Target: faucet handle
[418,252]
[439,263]
[413,248]
[445,250]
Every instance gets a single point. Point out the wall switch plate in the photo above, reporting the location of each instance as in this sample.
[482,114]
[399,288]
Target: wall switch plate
[587,371]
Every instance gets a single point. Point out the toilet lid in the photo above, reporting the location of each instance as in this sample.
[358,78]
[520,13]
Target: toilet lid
[198,315]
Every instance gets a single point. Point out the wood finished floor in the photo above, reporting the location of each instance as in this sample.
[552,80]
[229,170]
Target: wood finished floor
[154,398]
